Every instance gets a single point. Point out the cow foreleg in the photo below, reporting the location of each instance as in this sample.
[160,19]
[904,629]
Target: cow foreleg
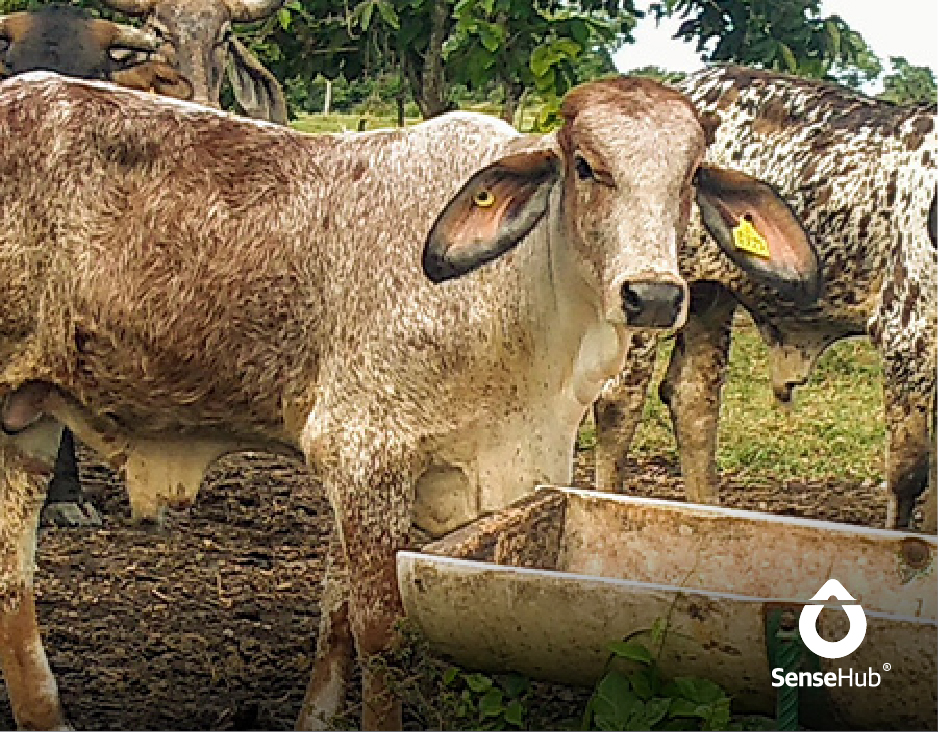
[372,494]
[693,385]
[25,466]
[335,649]
[908,455]
[375,522]
[618,411]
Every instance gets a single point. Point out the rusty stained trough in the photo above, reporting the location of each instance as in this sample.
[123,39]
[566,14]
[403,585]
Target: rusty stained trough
[545,585]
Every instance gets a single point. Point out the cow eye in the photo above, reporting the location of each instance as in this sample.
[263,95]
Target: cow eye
[583,169]
[4,44]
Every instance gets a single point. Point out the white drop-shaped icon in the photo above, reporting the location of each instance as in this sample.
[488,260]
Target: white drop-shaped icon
[807,623]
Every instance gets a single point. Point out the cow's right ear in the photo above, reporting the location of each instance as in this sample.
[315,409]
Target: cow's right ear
[757,229]
[256,90]
[490,214]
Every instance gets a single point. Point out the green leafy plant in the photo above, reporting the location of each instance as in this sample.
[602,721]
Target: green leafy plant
[639,698]
[486,702]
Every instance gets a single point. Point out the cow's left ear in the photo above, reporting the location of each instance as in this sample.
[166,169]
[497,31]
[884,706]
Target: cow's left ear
[255,88]
[490,214]
[759,232]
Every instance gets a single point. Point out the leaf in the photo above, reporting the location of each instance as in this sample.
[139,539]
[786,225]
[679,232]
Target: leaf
[833,32]
[540,60]
[514,685]
[654,711]
[641,685]
[614,703]
[579,31]
[491,705]
[389,15]
[514,713]
[631,651]
[547,82]
[478,683]
[449,675]
[701,691]
[658,629]
[367,10]
[686,708]
[788,57]
[719,716]
[491,36]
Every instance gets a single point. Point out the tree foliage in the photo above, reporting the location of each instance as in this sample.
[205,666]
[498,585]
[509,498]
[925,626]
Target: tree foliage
[510,49]
[909,84]
[785,35]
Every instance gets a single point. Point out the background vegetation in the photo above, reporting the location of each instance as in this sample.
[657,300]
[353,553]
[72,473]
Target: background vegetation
[409,58]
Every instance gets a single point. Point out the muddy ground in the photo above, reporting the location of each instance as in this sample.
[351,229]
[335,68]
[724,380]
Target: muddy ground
[211,623]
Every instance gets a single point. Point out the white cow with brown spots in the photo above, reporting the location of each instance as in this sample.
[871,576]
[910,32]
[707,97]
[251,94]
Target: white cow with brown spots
[180,283]
[862,174]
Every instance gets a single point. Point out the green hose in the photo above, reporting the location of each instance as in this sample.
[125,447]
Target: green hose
[786,651]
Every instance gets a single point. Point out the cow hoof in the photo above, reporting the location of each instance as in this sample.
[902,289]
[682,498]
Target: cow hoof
[71,515]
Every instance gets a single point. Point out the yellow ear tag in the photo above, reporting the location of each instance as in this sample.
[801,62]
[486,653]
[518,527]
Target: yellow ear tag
[484,199]
[746,237]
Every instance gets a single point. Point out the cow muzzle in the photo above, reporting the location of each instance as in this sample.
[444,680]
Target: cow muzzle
[653,303]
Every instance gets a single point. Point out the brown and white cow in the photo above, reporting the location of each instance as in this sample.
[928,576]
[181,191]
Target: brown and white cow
[197,38]
[862,175]
[180,283]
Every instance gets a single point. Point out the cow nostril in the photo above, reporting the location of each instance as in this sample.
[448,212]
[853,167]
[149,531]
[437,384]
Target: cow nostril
[631,301]
[652,304]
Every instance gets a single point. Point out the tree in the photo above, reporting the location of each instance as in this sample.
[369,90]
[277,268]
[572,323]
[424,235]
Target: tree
[909,84]
[786,35]
[659,74]
[524,45]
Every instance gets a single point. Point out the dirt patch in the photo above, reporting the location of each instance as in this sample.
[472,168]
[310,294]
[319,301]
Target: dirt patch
[211,623]
[208,624]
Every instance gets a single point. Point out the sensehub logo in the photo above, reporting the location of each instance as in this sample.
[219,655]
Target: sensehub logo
[807,628]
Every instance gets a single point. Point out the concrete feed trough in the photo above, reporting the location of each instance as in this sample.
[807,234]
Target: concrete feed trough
[544,586]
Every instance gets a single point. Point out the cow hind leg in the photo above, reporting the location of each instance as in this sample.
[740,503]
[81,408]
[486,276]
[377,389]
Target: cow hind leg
[693,385]
[66,504]
[25,466]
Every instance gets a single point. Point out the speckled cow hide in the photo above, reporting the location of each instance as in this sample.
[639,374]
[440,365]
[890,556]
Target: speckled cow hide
[179,283]
[862,174]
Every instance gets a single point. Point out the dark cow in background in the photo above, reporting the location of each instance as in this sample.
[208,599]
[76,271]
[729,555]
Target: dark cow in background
[68,40]
[862,174]
[196,36]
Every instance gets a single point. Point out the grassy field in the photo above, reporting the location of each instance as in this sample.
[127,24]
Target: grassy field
[834,428]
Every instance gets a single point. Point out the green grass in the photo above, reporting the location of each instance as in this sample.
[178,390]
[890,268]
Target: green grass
[343,122]
[833,429]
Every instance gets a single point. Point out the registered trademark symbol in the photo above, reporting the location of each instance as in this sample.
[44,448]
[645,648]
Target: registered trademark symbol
[887,667]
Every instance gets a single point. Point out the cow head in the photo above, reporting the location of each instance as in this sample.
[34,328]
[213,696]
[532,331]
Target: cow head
[69,41]
[197,38]
[619,180]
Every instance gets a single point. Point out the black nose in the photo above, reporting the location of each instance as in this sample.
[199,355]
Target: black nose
[652,304]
